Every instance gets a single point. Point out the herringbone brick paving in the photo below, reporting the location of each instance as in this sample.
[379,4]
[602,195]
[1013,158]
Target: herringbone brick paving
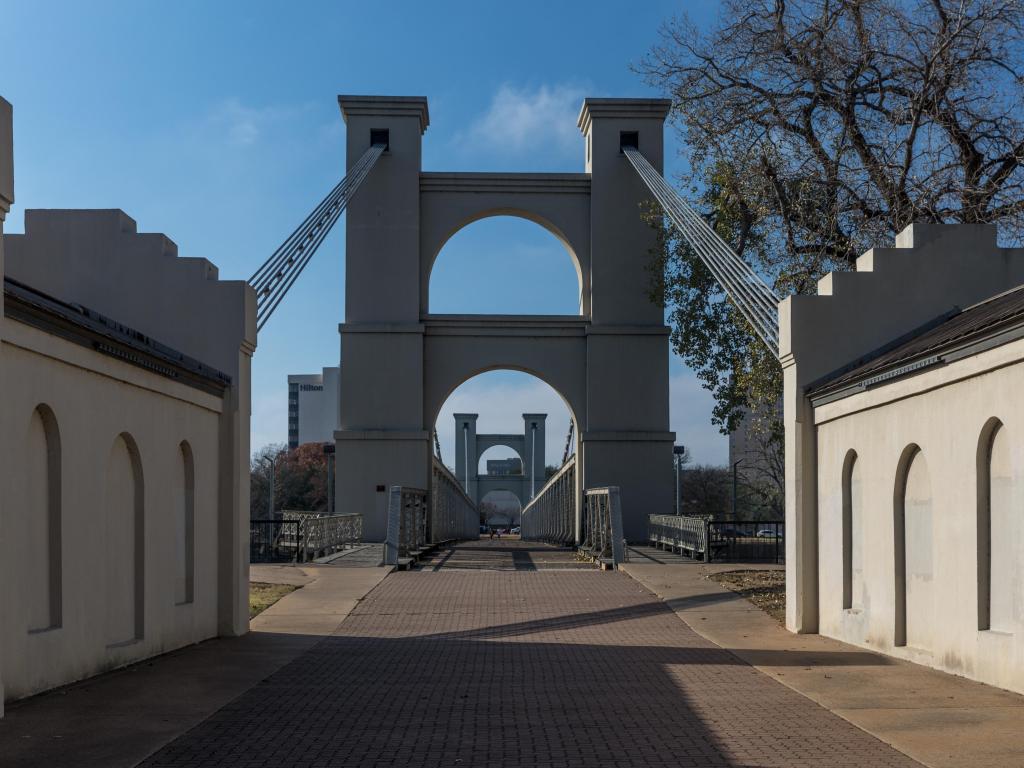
[520,668]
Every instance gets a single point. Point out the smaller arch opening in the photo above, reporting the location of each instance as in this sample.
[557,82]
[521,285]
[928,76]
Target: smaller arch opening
[501,460]
[505,264]
[500,508]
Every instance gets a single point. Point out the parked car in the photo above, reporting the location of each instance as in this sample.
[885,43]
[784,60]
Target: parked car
[769,533]
[516,530]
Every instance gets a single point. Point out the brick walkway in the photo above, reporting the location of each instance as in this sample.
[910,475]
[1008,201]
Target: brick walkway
[508,553]
[520,668]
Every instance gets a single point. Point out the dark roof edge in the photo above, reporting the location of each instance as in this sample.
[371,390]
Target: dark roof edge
[822,383]
[92,330]
[992,337]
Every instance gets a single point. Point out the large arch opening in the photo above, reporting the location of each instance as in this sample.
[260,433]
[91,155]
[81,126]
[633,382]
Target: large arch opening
[511,419]
[505,264]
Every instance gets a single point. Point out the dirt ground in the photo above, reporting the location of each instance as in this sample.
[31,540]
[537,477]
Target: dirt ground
[263,595]
[765,589]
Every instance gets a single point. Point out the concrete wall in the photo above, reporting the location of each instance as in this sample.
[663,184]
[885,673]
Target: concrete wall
[124,497]
[97,584]
[930,434]
[96,258]
[893,291]
[610,364]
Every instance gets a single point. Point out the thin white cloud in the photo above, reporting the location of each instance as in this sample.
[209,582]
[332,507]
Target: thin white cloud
[240,125]
[521,119]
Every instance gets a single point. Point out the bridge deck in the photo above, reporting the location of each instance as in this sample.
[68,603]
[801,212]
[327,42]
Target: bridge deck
[508,553]
[520,668]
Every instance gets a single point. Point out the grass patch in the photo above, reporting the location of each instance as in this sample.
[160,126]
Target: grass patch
[765,589]
[263,595]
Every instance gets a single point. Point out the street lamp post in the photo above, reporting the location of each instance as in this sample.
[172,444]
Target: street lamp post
[734,486]
[273,471]
[679,451]
[465,450]
[329,452]
[533,461]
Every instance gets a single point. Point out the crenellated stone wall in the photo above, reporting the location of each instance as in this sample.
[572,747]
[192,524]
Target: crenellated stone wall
[124,493]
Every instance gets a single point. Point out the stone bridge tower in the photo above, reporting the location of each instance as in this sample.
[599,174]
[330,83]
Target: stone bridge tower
[609,363]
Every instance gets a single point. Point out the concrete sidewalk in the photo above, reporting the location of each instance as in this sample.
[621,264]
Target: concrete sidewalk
[120,718]
[938,719]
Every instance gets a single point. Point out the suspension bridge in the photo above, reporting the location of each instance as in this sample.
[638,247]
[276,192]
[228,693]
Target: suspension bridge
[389,470]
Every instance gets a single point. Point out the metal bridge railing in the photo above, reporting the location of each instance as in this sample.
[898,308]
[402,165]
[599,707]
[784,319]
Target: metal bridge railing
[750,541]
[551,516]
[682,532]
[453,515]
[301,536]
[407,523]
[321,535]
[602,526]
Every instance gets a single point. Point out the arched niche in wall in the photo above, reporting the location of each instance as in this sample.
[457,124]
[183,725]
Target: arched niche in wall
[853,533]
[44,519]
[184,525]
[124,542]
[997,530]
[914,552]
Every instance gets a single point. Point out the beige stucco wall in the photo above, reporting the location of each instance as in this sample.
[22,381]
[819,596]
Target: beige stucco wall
[94,492]
[96,398]
[932,269]
[944,411]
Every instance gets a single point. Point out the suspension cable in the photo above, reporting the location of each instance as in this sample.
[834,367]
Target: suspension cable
[278,274]
[748,292]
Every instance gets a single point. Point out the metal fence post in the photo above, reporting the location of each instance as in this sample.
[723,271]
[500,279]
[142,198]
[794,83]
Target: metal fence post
[394,524]
[615,513]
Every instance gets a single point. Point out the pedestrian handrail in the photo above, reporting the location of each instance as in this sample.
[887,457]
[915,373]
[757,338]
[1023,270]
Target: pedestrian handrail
[453,515]
[602,526]
[318,534]
[407,523]
[300,536]
[684,532]
[551,516]
[731,540]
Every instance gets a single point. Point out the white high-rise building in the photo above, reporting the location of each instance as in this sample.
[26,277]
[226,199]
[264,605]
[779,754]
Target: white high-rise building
[312,407]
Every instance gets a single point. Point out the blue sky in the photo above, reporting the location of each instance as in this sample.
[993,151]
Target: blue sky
[217,124]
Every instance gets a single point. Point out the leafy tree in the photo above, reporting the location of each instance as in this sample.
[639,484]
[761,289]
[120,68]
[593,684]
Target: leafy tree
[819,128]
[300,479]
